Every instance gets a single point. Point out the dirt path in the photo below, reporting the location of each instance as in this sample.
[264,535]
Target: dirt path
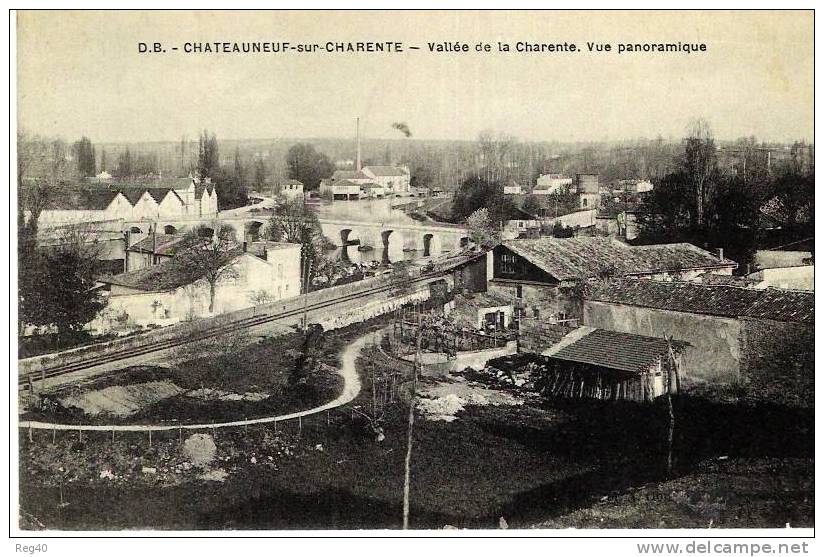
[351,388]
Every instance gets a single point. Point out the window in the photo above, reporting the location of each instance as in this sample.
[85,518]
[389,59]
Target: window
[536,313]
[508,264]
[584,202]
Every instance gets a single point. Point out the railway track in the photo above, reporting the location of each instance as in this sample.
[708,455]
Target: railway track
[24,380]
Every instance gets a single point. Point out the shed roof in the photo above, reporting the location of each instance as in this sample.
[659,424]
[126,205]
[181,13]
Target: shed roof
[723,301]
[614,350]
[580,258]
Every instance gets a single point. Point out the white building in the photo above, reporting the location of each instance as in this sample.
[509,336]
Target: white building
[131,202]
[164,293]
[547,184]
[290,189]
[394,179]
[512,188]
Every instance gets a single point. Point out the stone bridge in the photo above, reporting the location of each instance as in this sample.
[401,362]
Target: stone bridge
[429,240]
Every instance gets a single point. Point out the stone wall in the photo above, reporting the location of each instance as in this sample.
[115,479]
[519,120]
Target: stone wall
[714,354]
[778,361]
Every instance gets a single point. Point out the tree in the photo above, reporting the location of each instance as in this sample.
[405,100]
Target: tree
[259,174]
[307,165]
[208,158]
[295,222]
[700,166]
[474,194]
[531,205]
[208,258]
[84,154]
[482,231]
[57,287]
[124,164]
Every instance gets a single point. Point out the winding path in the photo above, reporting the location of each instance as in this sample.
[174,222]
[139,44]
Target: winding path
[351,388]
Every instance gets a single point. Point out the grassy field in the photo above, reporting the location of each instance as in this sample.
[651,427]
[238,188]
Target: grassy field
[558,465]
[274,366]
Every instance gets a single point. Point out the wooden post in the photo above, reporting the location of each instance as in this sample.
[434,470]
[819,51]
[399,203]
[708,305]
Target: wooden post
[300,426]
[30,438]
[42,380]
[112,435]
[180,435]
[80,432]
[150,438]
[54,435]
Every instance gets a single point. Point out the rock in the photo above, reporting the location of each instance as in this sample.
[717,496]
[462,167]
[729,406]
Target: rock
[200,449]
[149,470]
[319,447]
[253,460]
[106,474]
[502,524]
[216,475]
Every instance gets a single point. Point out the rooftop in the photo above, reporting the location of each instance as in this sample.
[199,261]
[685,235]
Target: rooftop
[385,170]
[580,258]
[723,301]
[161,244]
[82,200]
[613,350]
[165,276]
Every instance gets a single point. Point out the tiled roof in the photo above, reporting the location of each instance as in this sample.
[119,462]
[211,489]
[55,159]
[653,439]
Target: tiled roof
[165,244]
[784,305]
[165,276]
[82,200]
[386,170]
[613,350]
[580,258]
[723,301]
[349,175]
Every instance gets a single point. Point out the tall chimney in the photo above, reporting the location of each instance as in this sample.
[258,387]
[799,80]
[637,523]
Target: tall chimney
[357,128]
[721,254]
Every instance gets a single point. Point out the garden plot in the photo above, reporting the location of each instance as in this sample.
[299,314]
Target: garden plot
[121,400]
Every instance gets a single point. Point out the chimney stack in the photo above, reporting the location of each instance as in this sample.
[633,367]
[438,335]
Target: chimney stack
[721,254]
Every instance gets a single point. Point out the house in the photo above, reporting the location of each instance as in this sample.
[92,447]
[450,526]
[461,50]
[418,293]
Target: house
[152,250]
[394,179]
[512,188]
[588,189]
[371,190]
[289,189]
[789,269]
[586,362]
[736,335]
[481,311]
[547,184]
[169,291]
[632,187]
[342,189]
[541,271]
[85,205]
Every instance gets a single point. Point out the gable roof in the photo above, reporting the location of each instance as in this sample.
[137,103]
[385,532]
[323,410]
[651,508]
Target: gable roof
[82,200]
[385,170]
[581,258]
[164,244]
[164,276]
[349,175]
[722,301]
[613,350]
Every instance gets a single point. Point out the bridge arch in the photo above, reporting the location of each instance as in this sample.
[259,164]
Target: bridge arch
[170,229]
[432,245]
[252,231]
[135,230]
[464,241]
[205,231]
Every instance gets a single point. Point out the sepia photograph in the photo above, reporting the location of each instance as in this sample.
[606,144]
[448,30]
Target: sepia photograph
[451,272]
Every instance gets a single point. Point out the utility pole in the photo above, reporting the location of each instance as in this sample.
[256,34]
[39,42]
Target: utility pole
[308,268]
[408,461]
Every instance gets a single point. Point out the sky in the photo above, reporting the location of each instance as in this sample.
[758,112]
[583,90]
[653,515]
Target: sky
[80,73]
